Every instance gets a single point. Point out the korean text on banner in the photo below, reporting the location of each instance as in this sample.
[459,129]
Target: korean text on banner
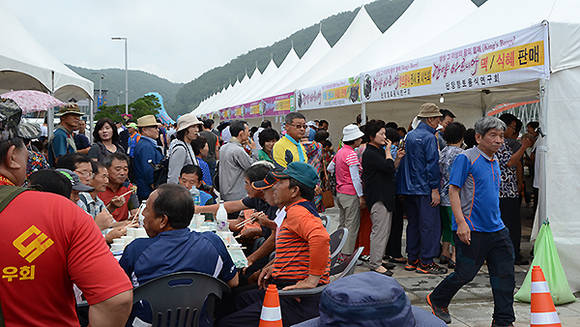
[339,93]
[278,105]
[252,109]
[512,58]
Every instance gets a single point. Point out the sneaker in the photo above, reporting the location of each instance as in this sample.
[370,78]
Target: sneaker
[441,313]
[341,258]
[365,258]
[412,265]
[432,268]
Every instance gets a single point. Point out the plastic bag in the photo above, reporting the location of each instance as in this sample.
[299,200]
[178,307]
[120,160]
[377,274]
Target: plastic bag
[546,256]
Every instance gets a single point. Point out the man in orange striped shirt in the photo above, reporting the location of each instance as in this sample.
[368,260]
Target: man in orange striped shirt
[302,251]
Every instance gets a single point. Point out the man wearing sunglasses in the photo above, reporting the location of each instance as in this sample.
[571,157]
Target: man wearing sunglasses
[288,149]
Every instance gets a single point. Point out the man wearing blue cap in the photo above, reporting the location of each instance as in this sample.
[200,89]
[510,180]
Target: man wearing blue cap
[369,299]
[302,252]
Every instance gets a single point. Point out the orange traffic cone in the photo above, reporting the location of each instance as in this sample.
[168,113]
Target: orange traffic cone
[543,310]
[271,315]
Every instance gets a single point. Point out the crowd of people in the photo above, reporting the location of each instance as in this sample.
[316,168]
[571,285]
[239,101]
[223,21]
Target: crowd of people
[460,191]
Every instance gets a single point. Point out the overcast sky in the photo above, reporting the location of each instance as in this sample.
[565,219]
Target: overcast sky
[177,40]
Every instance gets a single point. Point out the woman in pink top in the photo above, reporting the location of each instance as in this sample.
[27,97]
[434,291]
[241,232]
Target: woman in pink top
[349,192]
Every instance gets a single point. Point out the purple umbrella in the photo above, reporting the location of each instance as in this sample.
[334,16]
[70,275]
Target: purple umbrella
[31,101]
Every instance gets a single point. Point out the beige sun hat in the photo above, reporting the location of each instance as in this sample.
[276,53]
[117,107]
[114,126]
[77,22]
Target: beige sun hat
[146,121]
[428,110]
[187,120]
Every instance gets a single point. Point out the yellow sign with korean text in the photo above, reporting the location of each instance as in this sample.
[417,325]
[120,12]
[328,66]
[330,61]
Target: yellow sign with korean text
[521,56]
[255,109]
[417,77]
[282,105]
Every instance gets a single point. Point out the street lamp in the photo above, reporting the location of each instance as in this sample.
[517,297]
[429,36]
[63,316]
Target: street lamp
[126,74]
[96,104]
[119,97]
[100,98]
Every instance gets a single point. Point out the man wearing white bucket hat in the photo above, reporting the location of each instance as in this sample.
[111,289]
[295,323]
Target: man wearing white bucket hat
[349,191]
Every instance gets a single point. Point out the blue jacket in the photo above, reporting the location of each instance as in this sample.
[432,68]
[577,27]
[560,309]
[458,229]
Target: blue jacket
[145,150]
[418,172]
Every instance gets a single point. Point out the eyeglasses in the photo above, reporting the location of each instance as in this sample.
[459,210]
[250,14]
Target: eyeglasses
[84,173]
[299,126]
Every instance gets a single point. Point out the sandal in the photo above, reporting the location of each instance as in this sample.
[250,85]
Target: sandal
[402,260]
[451,264]
[443,259]
[387,272]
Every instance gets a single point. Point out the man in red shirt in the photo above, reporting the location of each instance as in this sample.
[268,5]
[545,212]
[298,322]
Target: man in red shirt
[47,243]
[117,197]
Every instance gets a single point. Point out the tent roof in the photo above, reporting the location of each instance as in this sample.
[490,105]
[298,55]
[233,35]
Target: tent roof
[21,53]
[514,15]
[405,33]
[271,77]
[245,96]
[359,35]
[318,49]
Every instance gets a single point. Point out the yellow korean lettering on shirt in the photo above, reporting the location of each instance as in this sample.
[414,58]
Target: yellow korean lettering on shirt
[36,247]
[10,273]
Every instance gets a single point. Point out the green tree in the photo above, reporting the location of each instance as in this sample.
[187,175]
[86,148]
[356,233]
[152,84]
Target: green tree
[147,105]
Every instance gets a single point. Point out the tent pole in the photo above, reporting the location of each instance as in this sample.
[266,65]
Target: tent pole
[483,106]
[92,114]
[363,113]
[50,112]
[543,151]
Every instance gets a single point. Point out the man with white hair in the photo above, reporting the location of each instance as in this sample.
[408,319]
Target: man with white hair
[481,235]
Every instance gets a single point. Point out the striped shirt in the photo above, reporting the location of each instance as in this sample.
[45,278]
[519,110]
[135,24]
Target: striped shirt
[343,160]
[302,245]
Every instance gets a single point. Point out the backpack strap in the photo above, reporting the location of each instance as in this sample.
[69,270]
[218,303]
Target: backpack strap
[182,144]
[9,193]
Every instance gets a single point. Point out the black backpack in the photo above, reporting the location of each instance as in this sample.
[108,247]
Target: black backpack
[216,177]
[161,170]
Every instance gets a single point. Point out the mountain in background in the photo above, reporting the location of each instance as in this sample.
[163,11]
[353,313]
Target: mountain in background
[383,12]
[181,98]
[140,82]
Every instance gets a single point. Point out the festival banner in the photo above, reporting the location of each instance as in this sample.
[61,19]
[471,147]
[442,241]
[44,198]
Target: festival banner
[508,59]
[252,109]
[278,105]
[339,93]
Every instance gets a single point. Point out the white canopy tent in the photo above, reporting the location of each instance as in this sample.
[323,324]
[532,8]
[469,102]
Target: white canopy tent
[223,101]
[318,49]
[360,34]
[291,69]
[273,77]
[269,71]
[557,91]
[25,64]
[406,33]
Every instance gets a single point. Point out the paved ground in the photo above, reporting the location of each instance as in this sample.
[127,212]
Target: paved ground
[473,305]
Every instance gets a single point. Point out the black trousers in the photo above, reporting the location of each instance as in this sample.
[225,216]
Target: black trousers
[249,307]
[510,214]
[497,250]
[394,243]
